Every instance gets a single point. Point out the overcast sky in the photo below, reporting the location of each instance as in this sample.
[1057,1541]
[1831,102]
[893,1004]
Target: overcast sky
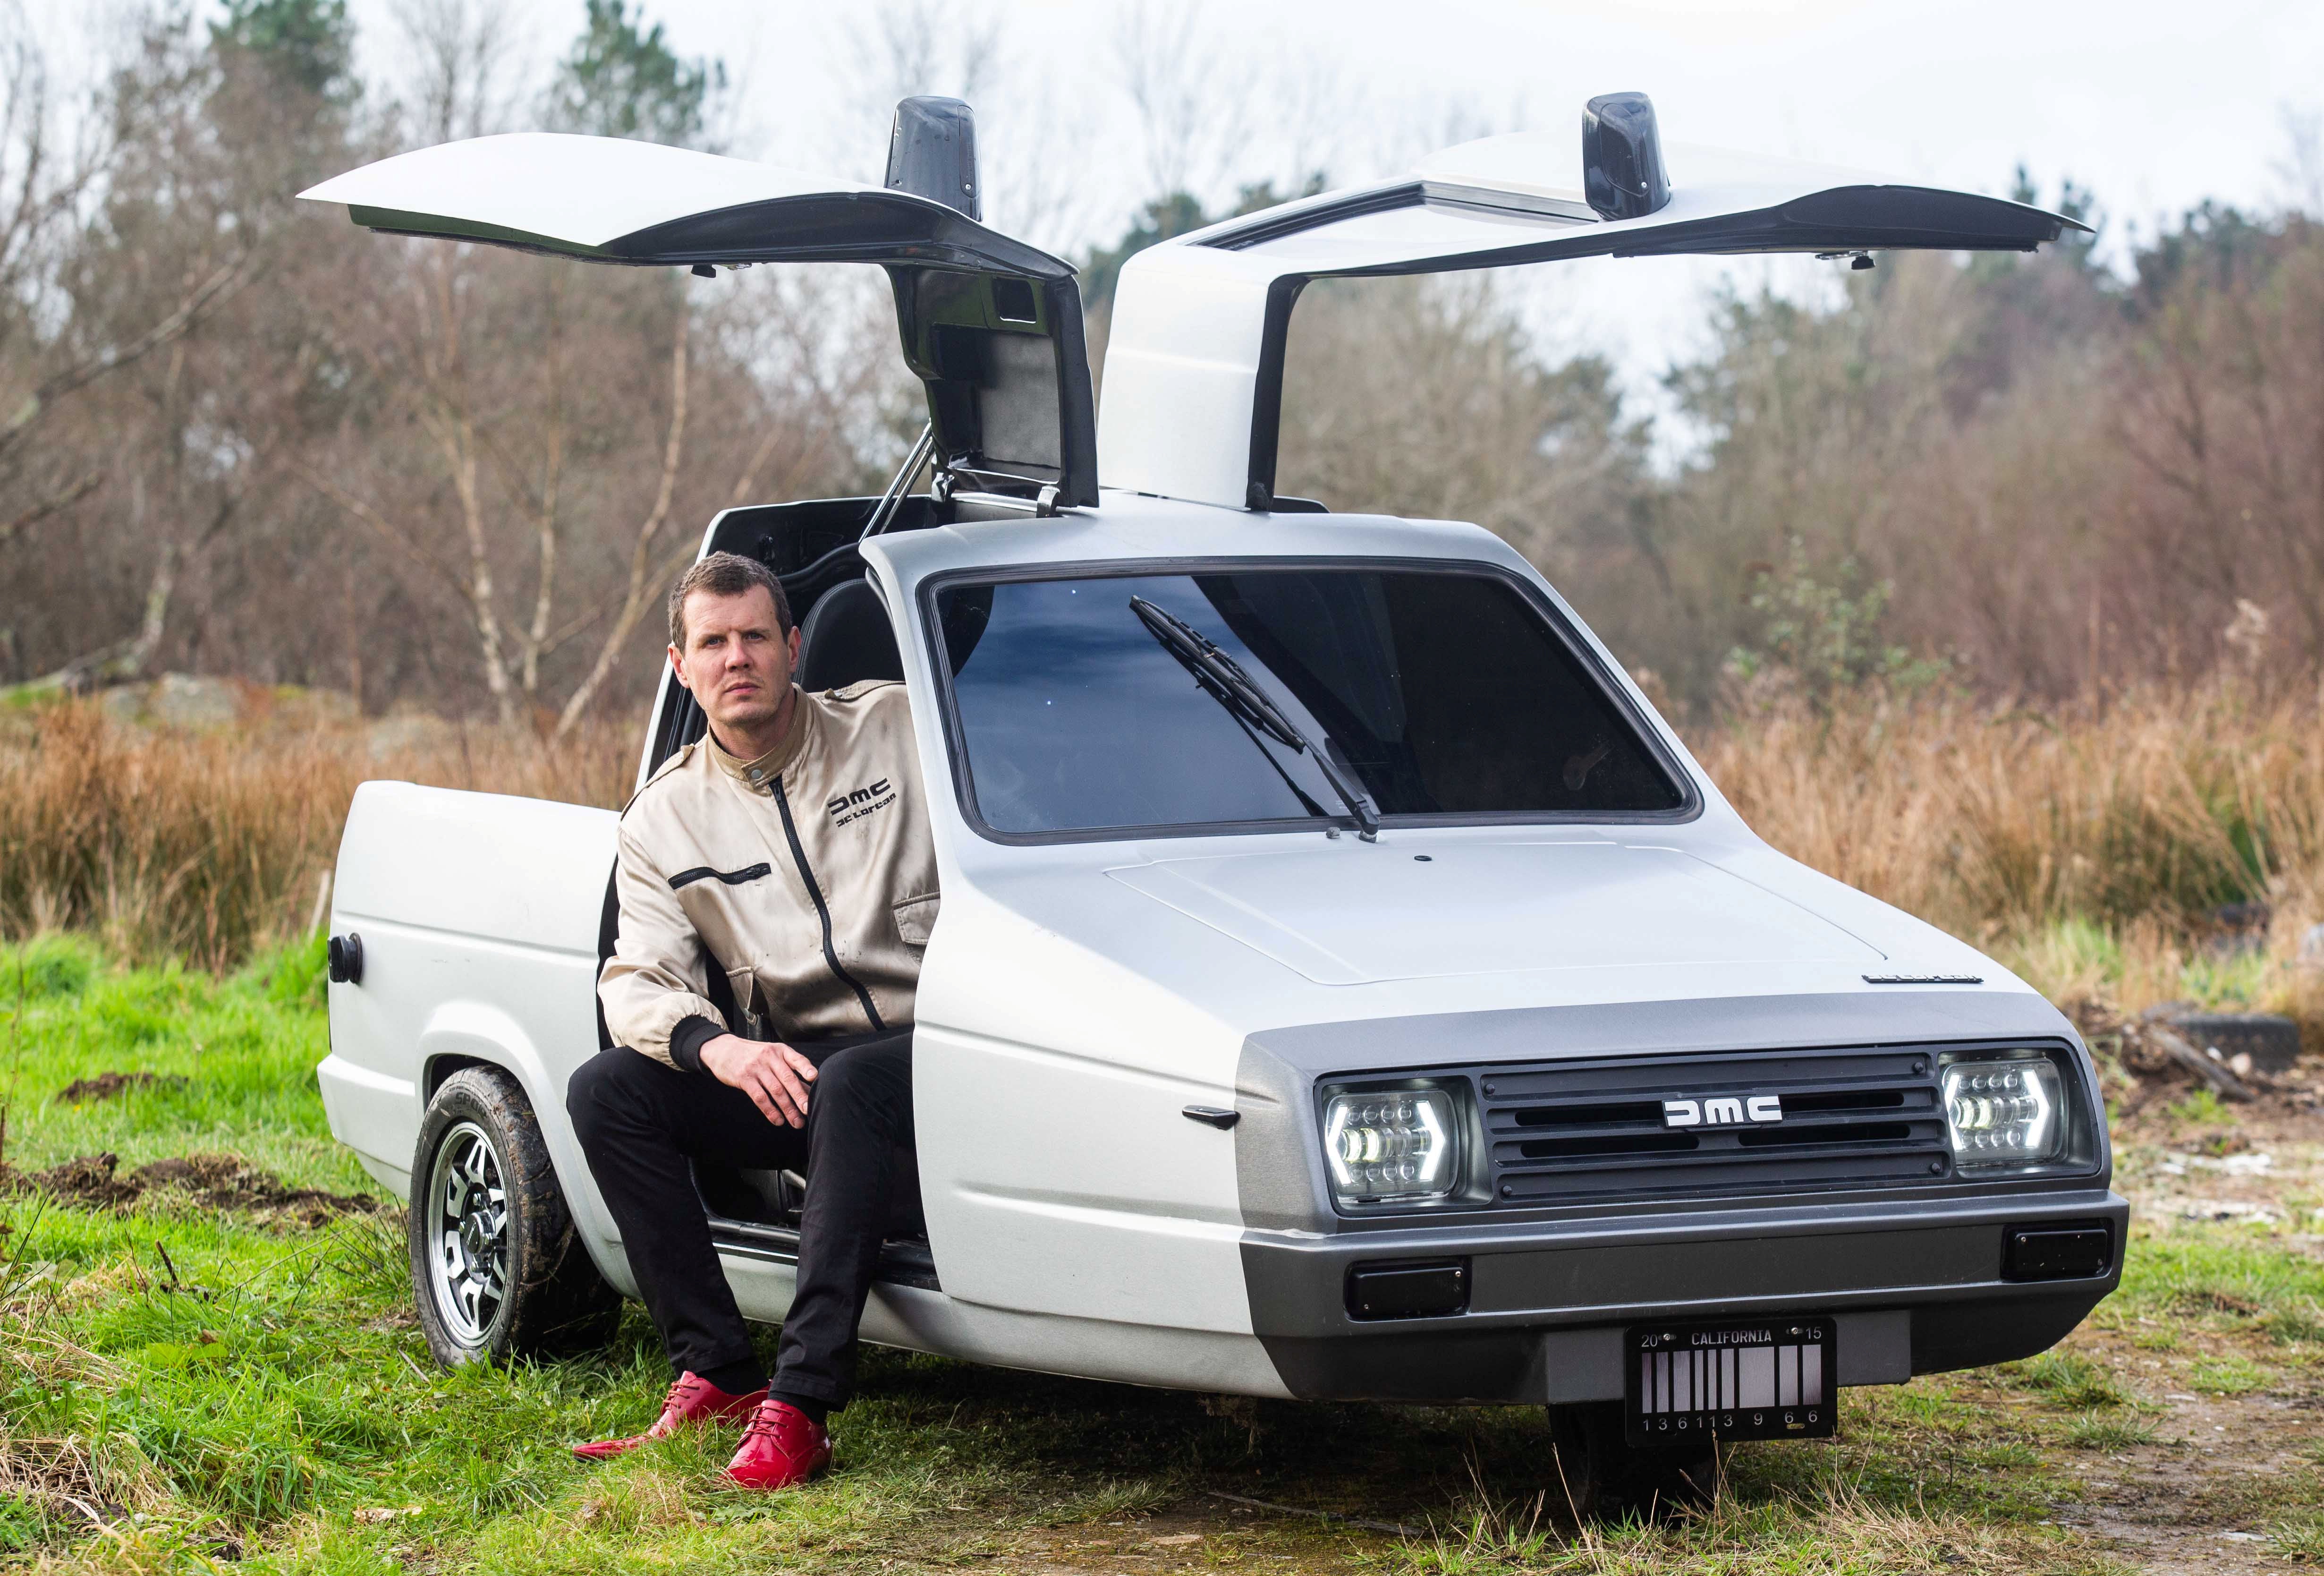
[2153,106]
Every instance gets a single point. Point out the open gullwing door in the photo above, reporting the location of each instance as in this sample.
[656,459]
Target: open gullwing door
[1194,373]
[990,325]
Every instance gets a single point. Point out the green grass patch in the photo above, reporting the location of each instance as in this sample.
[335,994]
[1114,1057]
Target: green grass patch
[2228,1375]
[2069,1379]
[232,1061]
[2203,1108]
[254,1387]
[2105,1431]
[2219,1277]
[2231,980]
[2300,1538]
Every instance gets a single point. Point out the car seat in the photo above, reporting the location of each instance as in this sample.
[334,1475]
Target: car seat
[847,639]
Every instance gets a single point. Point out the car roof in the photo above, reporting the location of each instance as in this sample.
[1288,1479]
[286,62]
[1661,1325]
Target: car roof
[1128,528]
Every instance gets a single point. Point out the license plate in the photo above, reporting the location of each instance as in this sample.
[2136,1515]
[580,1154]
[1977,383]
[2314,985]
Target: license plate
[1741,1380]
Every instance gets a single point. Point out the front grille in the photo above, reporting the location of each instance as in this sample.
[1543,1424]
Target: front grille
[1595,1129]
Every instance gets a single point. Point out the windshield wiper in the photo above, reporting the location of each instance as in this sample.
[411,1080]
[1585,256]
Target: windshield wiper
[1222,679]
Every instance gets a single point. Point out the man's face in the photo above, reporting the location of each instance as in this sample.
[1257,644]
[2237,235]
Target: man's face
[737,661]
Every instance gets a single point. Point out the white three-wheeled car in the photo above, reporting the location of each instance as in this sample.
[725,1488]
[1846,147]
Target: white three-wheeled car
[1346,984]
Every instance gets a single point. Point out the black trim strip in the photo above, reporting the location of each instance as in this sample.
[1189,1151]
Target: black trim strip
[901,1262]
[731,877]
[1266,395]
[1273,224]
[823,911]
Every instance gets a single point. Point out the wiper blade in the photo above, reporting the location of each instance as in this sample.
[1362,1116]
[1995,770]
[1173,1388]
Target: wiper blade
[1223,680]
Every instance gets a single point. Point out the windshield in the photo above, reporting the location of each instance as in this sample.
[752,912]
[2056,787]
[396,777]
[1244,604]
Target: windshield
[1432,693]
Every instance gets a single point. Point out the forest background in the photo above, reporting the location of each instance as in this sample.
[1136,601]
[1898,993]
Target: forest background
[1992,584]
[242,437]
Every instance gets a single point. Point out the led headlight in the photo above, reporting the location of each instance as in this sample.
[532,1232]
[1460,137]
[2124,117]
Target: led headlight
[2003,1113]
[1392,1145]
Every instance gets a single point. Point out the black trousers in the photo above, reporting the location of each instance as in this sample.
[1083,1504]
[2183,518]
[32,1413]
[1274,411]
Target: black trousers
[642,1124]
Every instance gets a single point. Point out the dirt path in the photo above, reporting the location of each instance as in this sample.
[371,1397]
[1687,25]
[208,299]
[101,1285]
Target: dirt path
[2203,1495]
[2222,1468]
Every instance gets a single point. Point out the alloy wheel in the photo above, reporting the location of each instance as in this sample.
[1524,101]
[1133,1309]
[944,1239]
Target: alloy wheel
[468,1232]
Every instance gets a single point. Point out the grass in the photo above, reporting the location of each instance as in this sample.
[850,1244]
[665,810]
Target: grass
[2097,1431]
[2299,1538]
[210,1382]
[2068,1379]
[2227,1280]
[210,846]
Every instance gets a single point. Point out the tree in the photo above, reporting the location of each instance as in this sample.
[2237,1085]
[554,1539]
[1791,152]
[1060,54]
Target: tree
[622,80]
[308,45]
[107,267]
[1166,219]
[1427,397]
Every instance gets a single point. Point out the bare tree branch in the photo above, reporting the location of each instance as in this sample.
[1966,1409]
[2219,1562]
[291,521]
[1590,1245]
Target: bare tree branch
[53,505]
[226,276]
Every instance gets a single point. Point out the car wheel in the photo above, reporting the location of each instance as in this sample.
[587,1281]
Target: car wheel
[1605,1475]
[496,1262]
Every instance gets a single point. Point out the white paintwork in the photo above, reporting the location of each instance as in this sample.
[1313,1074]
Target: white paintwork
[1047,1343]
[1193,985]
[1183,351]
[580,192]
[478,915]
[1479,910]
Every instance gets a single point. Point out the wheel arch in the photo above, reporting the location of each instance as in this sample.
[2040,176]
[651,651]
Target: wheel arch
[469,1033]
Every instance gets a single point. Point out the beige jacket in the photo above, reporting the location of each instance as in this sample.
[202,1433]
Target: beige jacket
[808,876]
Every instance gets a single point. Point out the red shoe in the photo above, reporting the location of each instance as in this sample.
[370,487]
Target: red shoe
[692,1399]
[782,1448]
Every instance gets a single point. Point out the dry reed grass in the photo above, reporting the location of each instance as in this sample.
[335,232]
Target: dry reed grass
[205,845]
[2089,849]
[2092,848]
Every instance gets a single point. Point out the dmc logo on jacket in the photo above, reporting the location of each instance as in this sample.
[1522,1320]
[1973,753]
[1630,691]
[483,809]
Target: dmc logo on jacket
[858,802]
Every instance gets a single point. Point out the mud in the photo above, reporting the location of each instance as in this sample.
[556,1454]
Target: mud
[107,1086]
[217,1182]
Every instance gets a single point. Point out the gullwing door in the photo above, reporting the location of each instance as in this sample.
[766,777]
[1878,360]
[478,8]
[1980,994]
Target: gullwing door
[1194,381]
[992,326]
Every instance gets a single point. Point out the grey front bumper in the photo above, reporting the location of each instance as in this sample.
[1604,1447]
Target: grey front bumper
[1915,1288]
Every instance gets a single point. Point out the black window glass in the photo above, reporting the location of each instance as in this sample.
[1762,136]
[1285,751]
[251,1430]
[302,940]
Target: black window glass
[1441,694]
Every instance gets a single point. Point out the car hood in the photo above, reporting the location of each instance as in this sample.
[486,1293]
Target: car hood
[1349,913]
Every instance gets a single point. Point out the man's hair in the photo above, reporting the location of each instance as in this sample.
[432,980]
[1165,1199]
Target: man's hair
[725,574]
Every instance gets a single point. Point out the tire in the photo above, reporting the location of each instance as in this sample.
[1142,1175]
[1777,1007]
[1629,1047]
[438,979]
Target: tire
[1604,1476]
[497,1265]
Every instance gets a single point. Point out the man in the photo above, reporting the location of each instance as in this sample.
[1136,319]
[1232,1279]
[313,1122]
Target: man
[790,850]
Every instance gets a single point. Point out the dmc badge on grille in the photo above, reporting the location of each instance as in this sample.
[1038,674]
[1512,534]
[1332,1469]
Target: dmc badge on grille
[1724,1111]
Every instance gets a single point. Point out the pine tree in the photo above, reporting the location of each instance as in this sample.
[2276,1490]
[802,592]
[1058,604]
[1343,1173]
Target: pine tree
[307,43]
[622,80]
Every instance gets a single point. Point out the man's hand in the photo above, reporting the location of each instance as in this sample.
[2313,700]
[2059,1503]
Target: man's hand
[774,1076]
